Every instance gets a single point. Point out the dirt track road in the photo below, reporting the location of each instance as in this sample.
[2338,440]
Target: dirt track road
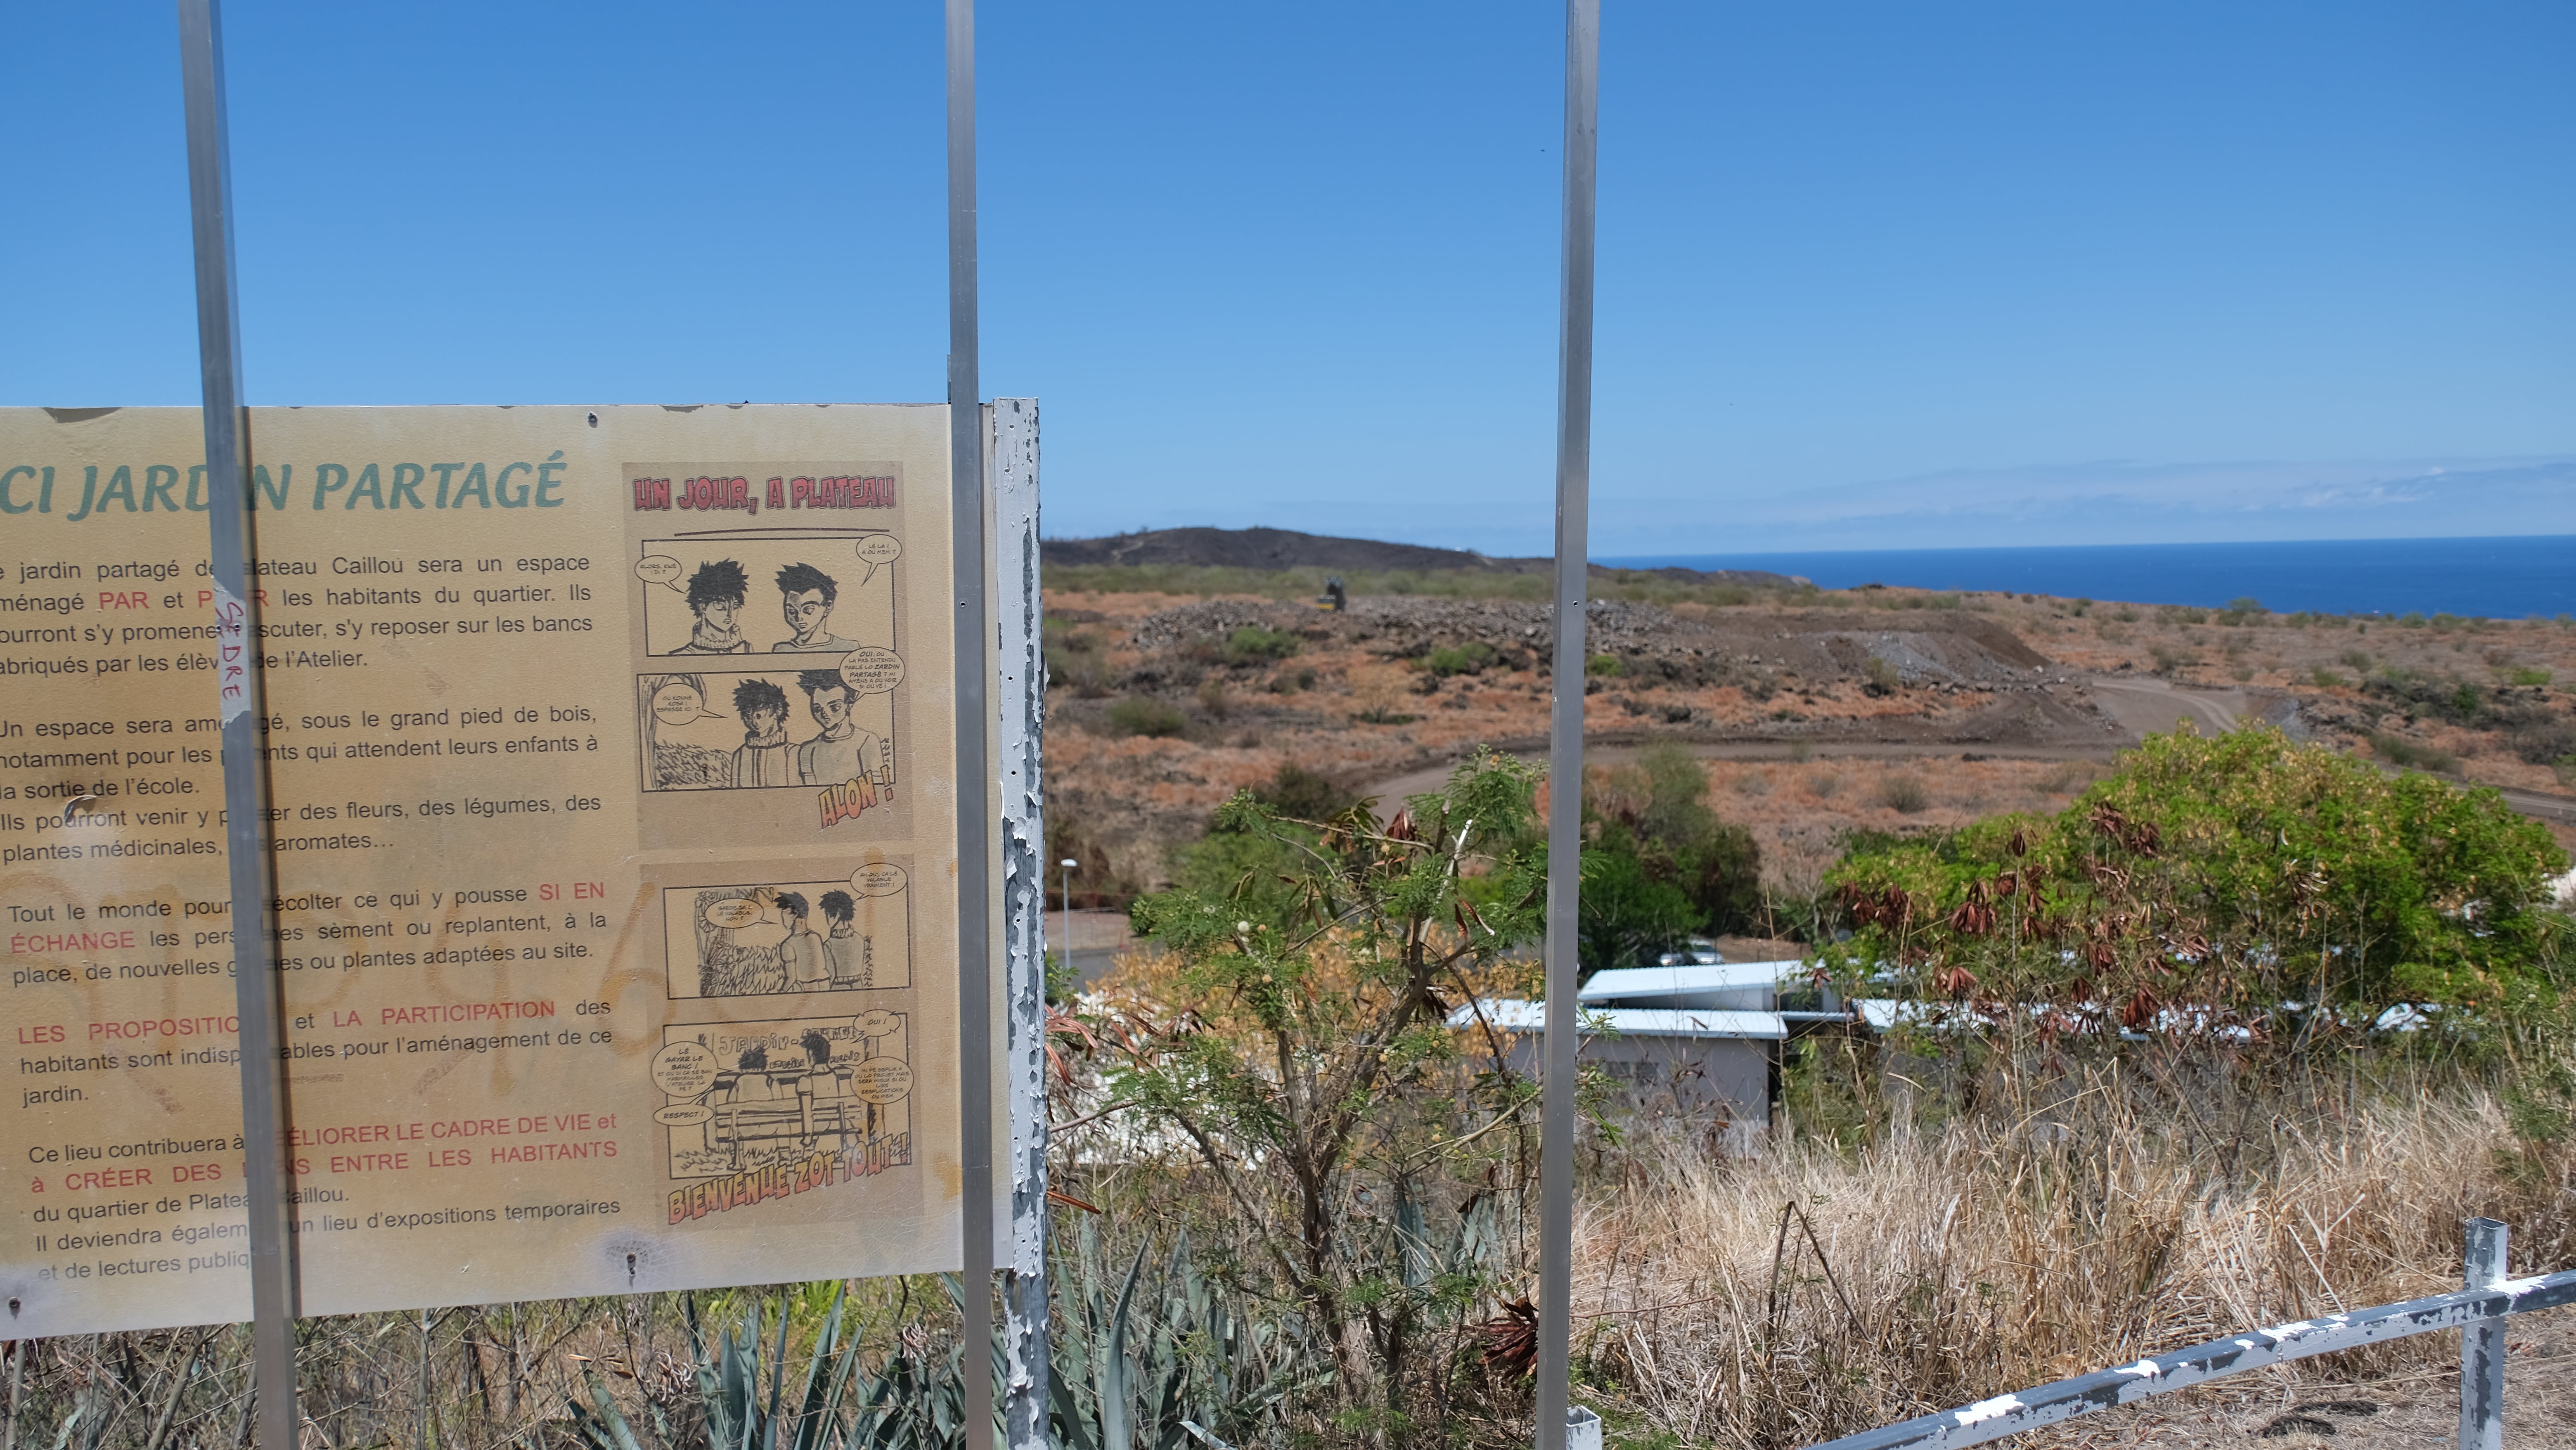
[2142,707]
[2153,707]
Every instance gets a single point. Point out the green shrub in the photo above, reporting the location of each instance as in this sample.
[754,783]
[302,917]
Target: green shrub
[2526,676]
[2398,750]
[1904,794]
[1137,715]
[1074,658]
[2326,679]
[1252,645]
[1603,665]
[1629,917]
[1662,864]
[1304,795]
[2242,871]
[1311,1069]
[1882,677]
[1459,659]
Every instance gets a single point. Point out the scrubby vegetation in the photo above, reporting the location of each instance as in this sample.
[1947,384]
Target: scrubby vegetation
[2239,1035]
[1660,865]
[2242,883]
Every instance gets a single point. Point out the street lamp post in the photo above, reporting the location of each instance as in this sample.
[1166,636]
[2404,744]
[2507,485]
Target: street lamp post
[1068,864]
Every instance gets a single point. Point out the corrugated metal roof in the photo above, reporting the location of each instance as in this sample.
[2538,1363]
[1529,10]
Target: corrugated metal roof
[1638,984]
[1512,1015]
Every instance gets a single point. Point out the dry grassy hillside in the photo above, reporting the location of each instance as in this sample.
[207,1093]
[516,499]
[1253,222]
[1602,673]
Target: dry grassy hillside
[1820,711]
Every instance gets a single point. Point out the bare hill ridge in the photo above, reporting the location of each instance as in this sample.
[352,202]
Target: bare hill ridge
[1290,549]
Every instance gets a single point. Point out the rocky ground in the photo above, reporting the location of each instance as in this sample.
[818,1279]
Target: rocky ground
[1817,709]
[2311,1406]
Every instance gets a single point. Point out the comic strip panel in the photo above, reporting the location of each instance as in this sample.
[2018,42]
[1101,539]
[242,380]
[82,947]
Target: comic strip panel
[751,940]
[810,594]
[823,729]
[826,1099]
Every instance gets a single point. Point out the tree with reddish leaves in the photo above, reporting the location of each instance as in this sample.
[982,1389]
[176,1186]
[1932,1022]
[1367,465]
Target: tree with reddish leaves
[2246,887]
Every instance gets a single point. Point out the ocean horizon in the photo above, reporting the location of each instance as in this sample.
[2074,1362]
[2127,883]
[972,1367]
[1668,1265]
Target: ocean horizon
[2493,578]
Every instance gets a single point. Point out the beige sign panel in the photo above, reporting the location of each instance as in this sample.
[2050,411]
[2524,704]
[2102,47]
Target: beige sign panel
[614,824]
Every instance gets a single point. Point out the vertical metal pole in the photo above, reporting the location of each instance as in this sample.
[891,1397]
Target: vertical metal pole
[242,704]
[2482,1342]
[1565,724]
[974,713]
[1021,721]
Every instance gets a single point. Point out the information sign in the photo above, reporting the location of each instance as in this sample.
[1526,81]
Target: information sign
[614,819]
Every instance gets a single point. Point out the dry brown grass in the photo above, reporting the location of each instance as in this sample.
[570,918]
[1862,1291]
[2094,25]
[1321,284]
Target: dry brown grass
[1953,1265]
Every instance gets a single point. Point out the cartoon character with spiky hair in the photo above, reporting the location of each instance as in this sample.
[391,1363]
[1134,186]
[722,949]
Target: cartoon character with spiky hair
[716,594]
[840,751]
[765,757]
[808,969]
[806,596]
[853,957]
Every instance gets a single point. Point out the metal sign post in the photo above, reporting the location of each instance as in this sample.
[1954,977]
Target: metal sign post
[974,764]
[1565,726]
[233,575]
[1021,720]
[243,707]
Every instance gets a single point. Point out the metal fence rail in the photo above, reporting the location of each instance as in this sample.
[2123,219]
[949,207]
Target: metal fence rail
[2478,1311]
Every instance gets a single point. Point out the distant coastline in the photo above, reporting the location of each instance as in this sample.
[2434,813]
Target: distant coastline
[2493,578]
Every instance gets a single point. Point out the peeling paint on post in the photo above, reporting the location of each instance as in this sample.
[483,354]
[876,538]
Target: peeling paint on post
[2482,1266]
[1020,730]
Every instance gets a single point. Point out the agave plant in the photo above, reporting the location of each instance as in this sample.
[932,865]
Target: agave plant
[1187,1365]
[912,1403]
[1192,1366]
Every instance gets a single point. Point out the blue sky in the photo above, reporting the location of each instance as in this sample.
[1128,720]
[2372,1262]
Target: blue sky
[1872,275]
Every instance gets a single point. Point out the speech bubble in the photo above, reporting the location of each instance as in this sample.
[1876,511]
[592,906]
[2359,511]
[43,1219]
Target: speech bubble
[872,671]
[882,1080]
[733,913]
[660,569]
[679,703]
[877,1022]
[683,1115]
[875,551]
[684,1069]
[882,879]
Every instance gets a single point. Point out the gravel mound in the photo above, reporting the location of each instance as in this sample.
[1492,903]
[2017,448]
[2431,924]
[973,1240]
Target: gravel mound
[1946,648]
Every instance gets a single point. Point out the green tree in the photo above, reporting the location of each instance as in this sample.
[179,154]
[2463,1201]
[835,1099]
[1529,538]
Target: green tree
[2238,880]
[1661,863]
[1257,863]
[1309,1061]
[1628,917]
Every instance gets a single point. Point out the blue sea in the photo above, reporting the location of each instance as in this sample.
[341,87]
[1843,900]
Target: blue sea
[2502,578]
